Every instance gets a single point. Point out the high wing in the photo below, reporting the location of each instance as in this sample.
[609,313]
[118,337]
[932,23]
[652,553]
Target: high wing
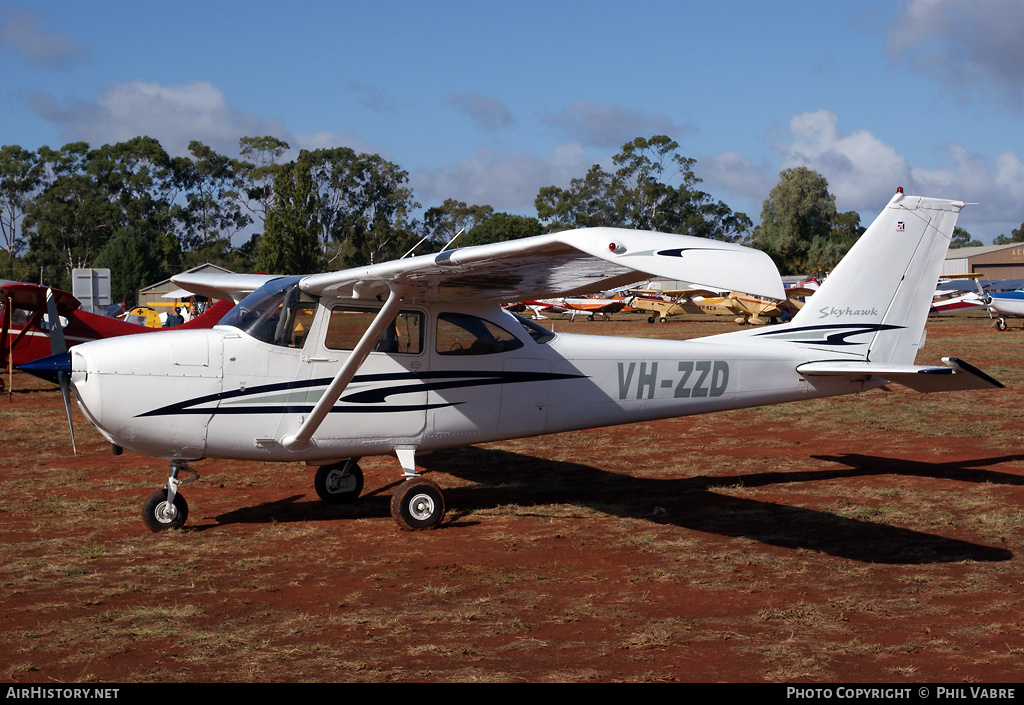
[33,297]
[559,264]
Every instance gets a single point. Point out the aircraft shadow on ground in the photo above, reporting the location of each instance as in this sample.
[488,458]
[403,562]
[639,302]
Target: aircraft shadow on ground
[503,478]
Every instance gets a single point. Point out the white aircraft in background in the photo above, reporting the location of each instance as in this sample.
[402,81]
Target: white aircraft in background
[415,355]
[950,295]
[1005,304]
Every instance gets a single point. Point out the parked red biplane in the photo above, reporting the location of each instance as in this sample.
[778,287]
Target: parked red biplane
[25,323]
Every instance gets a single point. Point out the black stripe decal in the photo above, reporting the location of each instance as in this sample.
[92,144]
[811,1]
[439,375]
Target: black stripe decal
[838,335]
[360,401]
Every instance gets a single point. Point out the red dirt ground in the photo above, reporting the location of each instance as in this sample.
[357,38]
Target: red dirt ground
[873,538]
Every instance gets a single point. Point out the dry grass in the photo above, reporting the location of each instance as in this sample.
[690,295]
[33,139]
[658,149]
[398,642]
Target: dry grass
[869,538]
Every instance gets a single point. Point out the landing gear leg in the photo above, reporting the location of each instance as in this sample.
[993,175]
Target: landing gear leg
[165,508]
[418,503]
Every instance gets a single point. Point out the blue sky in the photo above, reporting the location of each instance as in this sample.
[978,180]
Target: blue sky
[487,102]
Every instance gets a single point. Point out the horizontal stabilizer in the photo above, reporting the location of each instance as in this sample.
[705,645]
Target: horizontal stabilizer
[956,376]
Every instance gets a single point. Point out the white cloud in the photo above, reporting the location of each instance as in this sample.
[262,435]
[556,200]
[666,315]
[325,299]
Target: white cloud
[863,172]
[861,169]
[486,112]
[174,115]
[611,125]
[996,188]
[507,181]
[374,98]
[735,173]
[22,33]
[973,45]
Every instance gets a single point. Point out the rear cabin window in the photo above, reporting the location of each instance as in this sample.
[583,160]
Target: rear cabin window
[404,336]
[461,334]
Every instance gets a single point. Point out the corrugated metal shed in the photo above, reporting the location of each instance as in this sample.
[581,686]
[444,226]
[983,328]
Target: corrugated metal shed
[991,261]
[153,295]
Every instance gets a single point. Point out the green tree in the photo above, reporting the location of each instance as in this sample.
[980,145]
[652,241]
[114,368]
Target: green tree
[72,218]
[501,227]
[444,222]
[258,173]
[1016,235]
[290,242]
[213,208]
[589,202]
[962,238]
[800,228]
[134,259]
[20,176]
[365,206]
[654,188]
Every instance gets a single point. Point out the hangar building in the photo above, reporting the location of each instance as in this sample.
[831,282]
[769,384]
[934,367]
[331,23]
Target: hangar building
[991,261]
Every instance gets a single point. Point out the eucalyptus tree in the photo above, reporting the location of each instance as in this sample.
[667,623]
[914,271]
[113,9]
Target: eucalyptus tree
[365,206]
[800,228]
[261,161]
[134,259]
[20,177]
[72,217]
[653,188]
[290,243]
[443,223]
[212,211]
[502,227]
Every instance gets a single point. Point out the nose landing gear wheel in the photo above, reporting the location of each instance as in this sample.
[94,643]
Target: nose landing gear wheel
[159,515]
[417,504]
[339,483]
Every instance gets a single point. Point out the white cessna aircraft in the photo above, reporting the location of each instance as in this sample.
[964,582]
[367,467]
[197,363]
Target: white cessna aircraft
[415,355]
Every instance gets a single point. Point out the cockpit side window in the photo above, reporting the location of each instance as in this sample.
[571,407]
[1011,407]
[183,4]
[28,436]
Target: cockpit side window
[348,323]
[462,334]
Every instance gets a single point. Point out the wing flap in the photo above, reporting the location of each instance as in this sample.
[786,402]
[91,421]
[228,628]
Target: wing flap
[956,376]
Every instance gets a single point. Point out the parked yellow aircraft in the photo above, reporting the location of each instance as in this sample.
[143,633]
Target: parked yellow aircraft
[755,310]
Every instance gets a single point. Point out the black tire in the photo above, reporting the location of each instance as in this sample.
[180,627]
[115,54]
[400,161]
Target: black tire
[417,505]
[650,319]
[158,516]
[339,483]
[1000,324]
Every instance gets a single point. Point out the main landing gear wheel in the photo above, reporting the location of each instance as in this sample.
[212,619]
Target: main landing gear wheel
[1000,324]
[417,504]
[338,483]
[160,515]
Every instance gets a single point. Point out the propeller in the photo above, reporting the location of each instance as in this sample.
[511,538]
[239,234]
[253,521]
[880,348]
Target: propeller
[59,347]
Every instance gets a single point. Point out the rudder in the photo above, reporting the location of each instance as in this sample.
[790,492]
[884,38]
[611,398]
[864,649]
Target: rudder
[883,287]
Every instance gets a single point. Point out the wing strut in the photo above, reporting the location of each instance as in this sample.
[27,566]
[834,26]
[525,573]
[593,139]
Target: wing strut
[300,440]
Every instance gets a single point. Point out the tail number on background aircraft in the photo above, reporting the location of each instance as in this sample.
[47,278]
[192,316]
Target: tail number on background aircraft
[701,378]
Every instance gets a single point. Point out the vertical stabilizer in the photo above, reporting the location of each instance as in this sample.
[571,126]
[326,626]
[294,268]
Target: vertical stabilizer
[880,293]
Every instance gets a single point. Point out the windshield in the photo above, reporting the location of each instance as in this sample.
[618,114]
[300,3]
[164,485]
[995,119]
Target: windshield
[278,313]
[538,332]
